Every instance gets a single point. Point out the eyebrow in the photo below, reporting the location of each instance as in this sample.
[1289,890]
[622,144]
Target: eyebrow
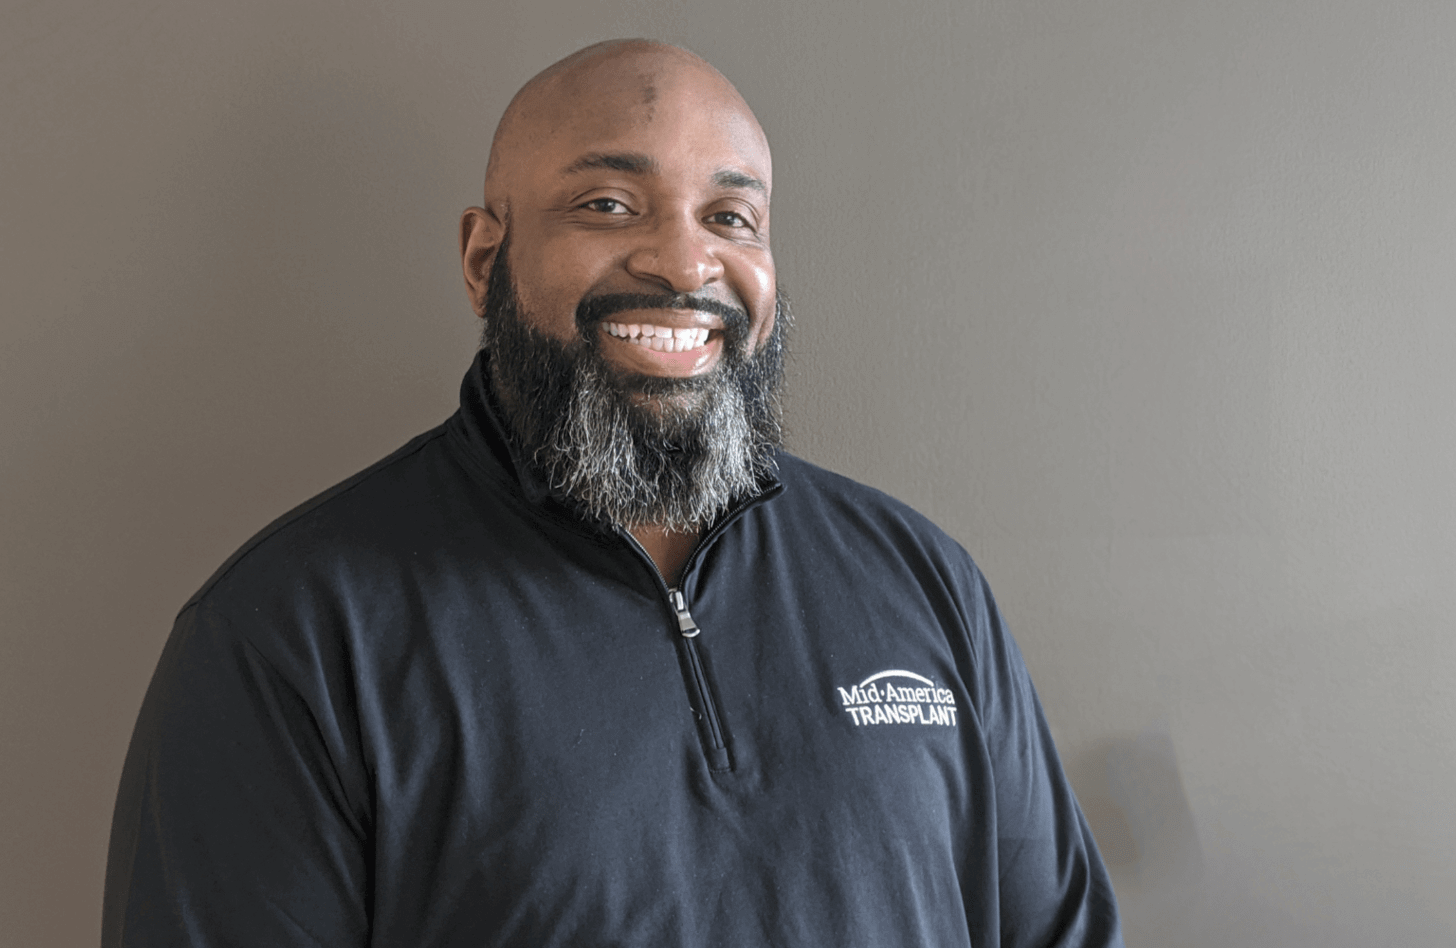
[737,179]
[630,162]
[637,163]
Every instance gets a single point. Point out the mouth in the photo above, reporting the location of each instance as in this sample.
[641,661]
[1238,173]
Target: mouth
[665,351]
[659,338]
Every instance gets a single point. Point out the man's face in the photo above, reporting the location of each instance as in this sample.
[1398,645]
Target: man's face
[633,449]
[655,182]
[622,265]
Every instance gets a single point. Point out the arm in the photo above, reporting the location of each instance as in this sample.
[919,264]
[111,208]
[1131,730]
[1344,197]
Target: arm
[241,818]
[1054,888]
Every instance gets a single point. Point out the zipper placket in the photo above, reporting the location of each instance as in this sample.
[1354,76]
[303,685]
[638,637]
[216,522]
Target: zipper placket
[717,749]
[689,631]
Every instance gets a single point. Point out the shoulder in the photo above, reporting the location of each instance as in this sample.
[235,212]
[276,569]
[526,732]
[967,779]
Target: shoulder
[344,522]
[846,506]
[831,517]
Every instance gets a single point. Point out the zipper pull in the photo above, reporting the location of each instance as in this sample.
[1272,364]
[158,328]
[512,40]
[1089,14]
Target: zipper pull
[685,623]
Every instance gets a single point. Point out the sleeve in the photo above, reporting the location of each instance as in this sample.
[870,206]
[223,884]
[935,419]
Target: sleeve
[1053,887]
[233,824]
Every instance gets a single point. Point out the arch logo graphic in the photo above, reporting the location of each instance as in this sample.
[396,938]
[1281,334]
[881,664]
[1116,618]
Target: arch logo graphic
[896,696]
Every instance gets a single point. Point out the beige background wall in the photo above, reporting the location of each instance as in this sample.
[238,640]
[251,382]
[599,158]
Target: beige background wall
[1149,302]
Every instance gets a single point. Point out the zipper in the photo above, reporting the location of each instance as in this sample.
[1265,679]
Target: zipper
[685,623]
[700,692]
[717,747]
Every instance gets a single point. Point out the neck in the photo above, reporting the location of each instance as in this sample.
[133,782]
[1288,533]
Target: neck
[669,550]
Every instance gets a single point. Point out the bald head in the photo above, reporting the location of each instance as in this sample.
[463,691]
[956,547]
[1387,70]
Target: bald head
[603,90]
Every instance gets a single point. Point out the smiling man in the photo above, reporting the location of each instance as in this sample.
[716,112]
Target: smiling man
[595,662]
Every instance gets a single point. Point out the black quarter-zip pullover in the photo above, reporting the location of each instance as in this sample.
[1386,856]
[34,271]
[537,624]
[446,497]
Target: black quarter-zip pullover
[432,707]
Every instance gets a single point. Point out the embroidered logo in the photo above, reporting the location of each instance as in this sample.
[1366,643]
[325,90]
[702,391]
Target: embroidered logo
[914,700]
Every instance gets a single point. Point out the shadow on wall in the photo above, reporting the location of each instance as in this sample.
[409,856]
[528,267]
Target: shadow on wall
[1174,896]
[1141,815]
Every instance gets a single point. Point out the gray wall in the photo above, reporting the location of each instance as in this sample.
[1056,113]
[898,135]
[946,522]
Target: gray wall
[1148,302]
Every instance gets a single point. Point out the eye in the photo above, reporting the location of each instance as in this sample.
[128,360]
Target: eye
[606,205]
[729,219]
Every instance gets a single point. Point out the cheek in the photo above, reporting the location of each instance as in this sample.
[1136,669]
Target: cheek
[549,300]
[567,271]
[758,288]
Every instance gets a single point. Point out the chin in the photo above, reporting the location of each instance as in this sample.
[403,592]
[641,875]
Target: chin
[680,401]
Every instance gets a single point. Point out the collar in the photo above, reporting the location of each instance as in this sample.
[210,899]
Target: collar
[482,430]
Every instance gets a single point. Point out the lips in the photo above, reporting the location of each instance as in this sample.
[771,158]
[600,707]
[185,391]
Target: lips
[664,335]
[659,338]
[687,312]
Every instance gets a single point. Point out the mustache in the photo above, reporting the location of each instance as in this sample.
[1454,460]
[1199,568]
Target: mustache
[592,311]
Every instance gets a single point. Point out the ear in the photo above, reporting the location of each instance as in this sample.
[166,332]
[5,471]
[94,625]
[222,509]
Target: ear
[481,231]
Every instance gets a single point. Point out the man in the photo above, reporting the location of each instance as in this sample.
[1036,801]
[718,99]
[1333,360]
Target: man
[594,662]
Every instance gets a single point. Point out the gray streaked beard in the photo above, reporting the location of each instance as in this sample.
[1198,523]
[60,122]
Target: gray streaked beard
[635,450]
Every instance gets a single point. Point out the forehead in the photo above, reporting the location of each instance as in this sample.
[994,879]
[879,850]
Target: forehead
[684,118]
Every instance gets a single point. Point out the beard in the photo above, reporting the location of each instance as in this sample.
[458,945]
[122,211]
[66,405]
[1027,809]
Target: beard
[635,450]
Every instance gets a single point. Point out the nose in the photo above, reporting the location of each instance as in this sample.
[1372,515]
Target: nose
[677,253]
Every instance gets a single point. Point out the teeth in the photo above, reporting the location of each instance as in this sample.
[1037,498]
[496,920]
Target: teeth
[658,338]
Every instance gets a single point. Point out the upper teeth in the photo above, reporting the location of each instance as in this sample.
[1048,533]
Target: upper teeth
[660,338]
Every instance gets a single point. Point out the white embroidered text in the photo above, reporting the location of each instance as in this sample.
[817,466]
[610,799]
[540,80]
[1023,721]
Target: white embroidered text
[877,700]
